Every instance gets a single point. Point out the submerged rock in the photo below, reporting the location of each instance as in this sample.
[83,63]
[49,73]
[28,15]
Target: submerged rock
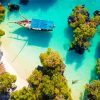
[74,81]
[71,19]
[97,13]
[13,7]
[78,49]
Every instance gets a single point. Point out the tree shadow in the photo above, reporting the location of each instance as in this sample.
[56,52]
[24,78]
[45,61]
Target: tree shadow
[38,38]
[93,75]
[73,57]
[5,96]
[68,32]
[38,4]
[97,51]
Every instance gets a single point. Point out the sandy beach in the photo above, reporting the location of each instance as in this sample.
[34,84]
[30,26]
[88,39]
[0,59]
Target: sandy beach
[9,68]
[23,65]
[22,47]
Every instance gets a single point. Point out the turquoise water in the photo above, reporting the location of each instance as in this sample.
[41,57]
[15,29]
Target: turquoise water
[29,44]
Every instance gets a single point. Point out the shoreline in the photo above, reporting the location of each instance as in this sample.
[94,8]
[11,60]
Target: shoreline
[9,68]
[21,82]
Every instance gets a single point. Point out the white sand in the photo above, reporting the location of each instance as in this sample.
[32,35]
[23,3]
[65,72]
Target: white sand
[19,82]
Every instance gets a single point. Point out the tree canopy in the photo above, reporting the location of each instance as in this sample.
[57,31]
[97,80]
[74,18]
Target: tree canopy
[6,81]
[44,86]
[93,90]
[98,67]
[2,13]
[84,28]
[23,94]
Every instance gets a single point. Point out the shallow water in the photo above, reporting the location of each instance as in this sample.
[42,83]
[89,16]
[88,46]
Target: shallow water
[26,45]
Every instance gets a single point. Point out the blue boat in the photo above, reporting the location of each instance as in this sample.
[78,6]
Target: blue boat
[37,24]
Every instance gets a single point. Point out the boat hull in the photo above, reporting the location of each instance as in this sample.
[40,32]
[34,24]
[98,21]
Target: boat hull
[27,24]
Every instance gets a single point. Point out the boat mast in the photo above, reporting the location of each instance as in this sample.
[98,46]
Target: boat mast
[23,16]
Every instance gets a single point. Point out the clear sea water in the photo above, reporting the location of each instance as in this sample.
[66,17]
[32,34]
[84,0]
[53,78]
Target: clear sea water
[27,44]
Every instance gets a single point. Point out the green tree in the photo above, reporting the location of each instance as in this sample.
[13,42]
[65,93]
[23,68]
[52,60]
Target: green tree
[84,28]
[6,81]
[50,59]
[23,94]
[80,14]
[2,13]
[98,66]
[45,86]
[61,87]
[35,78]
[52,62]
[93,90]
[96,20]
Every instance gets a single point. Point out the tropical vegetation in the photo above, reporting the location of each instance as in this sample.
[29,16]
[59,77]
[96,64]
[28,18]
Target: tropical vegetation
[46,82]
[6,82]
[2,13]
[84,28]
[98,67]
[93,89]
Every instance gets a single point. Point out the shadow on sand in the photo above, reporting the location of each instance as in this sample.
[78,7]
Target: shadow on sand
[37,38]
[38,4]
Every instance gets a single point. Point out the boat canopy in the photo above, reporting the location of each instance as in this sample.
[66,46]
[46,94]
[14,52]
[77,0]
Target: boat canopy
[42,24]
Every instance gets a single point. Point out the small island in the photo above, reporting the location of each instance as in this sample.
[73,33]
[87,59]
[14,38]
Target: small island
[84,28]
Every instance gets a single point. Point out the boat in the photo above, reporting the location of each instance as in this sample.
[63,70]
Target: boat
[36,24]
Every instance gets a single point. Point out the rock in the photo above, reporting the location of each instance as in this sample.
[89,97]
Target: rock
[13,87]
[74,81]
[71,19]
[97,13]
[13,7]
[78,49]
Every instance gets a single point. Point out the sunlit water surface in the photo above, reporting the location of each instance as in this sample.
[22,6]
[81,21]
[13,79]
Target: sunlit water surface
[26,45]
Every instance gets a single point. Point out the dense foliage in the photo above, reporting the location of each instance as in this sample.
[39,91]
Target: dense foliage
[44,85]
[84,28]
[98,67]
[52,62]
[93,90]
[23,94]
[37,77]
[79,16]
[2,13]
[6,82]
